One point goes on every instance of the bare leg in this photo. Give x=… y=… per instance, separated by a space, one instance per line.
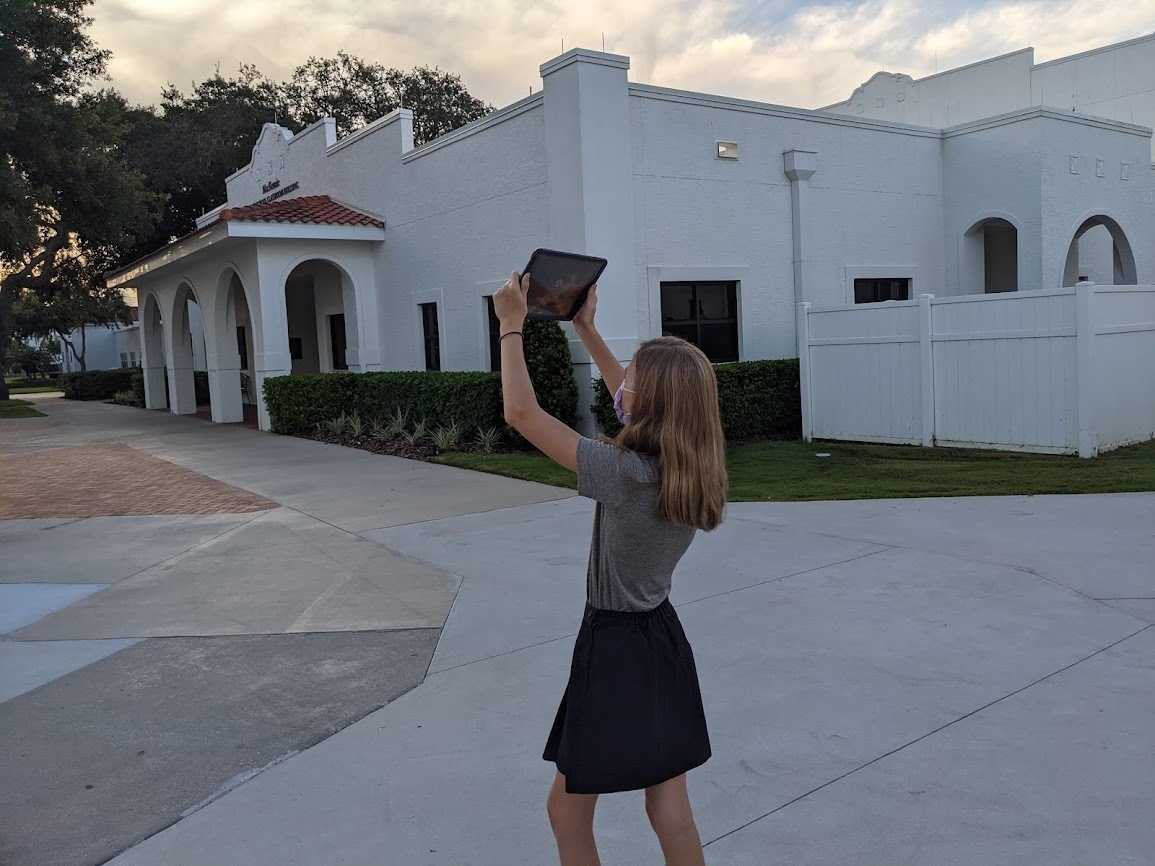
x=668 y=807
x=572 y=819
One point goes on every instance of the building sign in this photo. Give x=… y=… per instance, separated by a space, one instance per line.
x=293 y=187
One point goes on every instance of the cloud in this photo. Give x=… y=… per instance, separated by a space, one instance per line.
x=782 y=51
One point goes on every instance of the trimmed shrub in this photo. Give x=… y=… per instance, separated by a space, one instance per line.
x=137 y=387
x=757 y=398
x=96 y=384
x=472 y=401
x=441 y=398
x=551 y=370
x=297 y=404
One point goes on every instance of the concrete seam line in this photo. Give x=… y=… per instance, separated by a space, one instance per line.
x=235 y=782
x=945 y=555
x=256 y=516
x=928 y=734
x=882 y=549
x=679 y=606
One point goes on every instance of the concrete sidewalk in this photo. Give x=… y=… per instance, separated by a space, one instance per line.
x=887 y=683
x=917 y=682
x=191 y=605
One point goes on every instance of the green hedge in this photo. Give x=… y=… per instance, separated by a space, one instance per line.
x=757 y=398
x=137 y=386
x=297 y=404
x=551 y=370
x=96 y=384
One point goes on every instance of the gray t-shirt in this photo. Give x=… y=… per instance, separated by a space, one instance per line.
x=633 y=554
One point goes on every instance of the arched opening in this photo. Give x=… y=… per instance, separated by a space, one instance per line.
x=321 y=317
x=231 y=354
x=241 y=324
x=990 y=257
x=188 y=369
x=153 y=362
x=1100 y=252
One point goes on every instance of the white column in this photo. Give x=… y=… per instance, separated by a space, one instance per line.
x=803 y=330
x=364 y=352
x=152 y=362
x=926 y=367
x=1085 y=368
x=178 y=347
x=800 y=166
x=225 y=387
x=591 y=206
x=271 y=349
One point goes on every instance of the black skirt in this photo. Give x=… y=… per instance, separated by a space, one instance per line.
x=631 y=715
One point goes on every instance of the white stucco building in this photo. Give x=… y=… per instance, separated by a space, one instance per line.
x=718 y=216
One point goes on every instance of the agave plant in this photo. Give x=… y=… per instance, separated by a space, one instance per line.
x=416 y=433
x=337 y=425
x=398 y=422
x=446 y=437
x=487 y=439
x=356 y=425
x=380 y=430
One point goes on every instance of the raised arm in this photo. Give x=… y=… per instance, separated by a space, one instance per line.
x=603 y=357
x=522 y=412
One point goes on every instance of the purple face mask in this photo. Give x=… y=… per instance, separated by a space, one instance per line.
x=623 y=415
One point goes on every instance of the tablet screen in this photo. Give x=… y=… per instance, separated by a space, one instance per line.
x=559 y=283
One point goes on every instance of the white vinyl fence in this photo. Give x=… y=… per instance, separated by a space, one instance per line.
x=1063 y=371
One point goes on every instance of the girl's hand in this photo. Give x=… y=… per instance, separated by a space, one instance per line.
x=585 y=316
x=510 y=304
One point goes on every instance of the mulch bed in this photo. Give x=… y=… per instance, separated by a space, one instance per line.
x=423 y=449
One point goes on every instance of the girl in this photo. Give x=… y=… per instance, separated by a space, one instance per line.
x=631 y=717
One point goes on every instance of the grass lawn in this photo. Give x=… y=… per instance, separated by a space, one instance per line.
x=20 y=385
x=790 y=471
x=34 y=389
x=18 y=409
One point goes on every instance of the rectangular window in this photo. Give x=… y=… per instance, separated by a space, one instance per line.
x=337 y=339
x=494 y=337
x=296 y=348
x=873 y=291
x=432 y=333
x=243 y=347
x=705 y=314
x=123 y=359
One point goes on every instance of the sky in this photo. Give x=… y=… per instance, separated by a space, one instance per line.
x=788 y=52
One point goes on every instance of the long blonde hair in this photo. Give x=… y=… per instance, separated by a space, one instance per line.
x=676 y=420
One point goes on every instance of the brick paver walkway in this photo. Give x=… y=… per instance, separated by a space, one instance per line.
x=22 y=425
x=111 y=481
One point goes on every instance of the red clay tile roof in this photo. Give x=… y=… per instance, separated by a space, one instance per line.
x=313 y=209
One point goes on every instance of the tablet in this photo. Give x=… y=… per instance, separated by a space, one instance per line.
x=560 y=282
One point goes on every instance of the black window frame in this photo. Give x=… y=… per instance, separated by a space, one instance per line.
x=338 y=347
x=697 y=321
x=494 y=337
x=431 y=335
x=243 y=347
x=872 y=289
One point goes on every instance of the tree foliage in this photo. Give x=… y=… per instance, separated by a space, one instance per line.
x=79 y=299
x=355 y=92
x=87 y=179
x=64 y=183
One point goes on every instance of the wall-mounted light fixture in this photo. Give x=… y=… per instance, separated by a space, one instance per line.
x=726 y=149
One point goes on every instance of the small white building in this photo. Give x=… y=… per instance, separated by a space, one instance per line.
x=105 y=347
x=718 y=216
